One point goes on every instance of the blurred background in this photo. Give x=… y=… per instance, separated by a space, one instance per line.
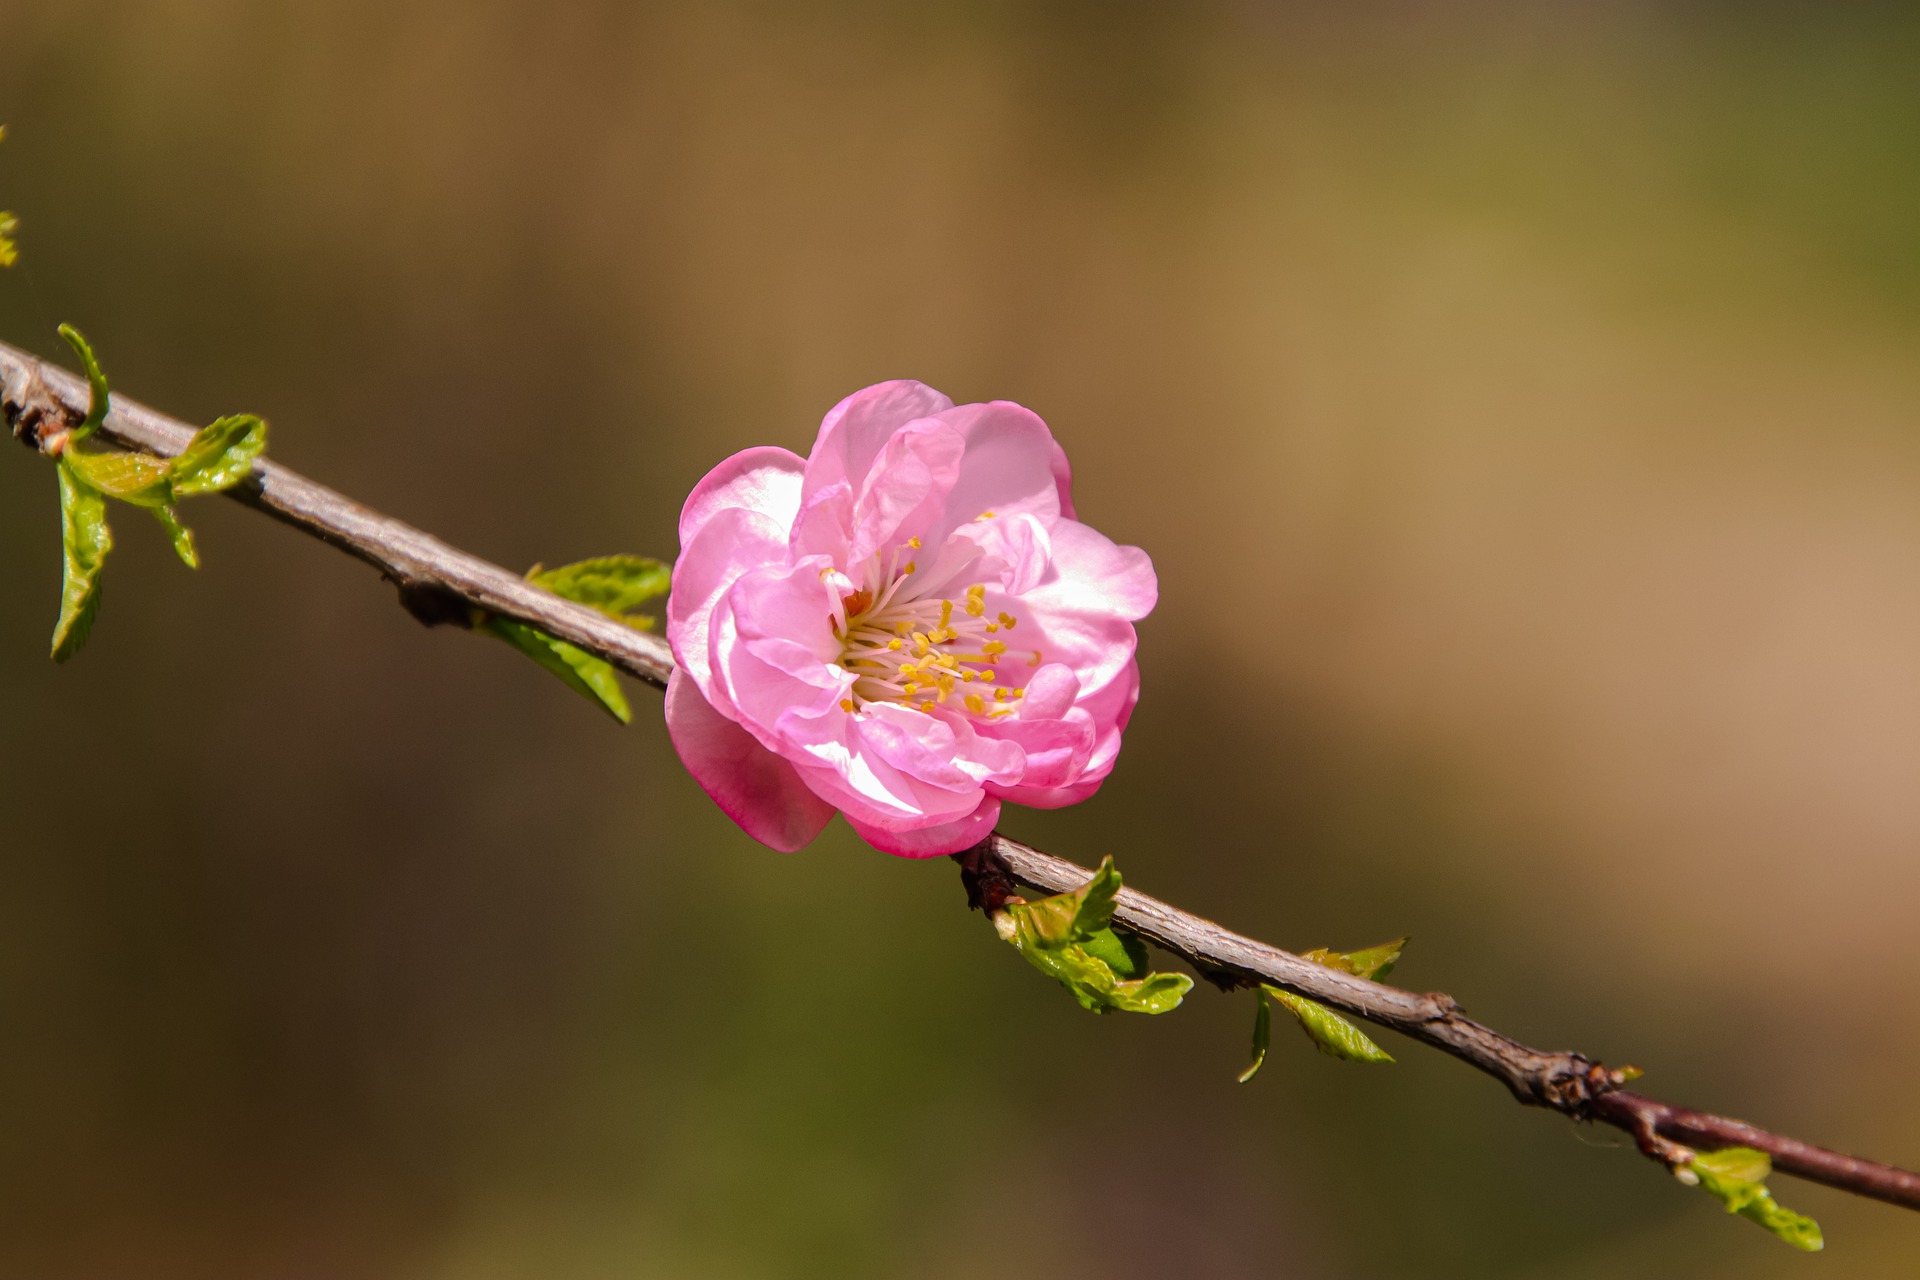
x=1520 y=404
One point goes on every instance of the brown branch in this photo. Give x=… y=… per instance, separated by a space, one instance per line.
x=440 y=584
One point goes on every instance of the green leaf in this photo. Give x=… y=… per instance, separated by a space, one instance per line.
x=219 y=456
x=179 y=534
x=84 y=541
x=1330 y=1033
x=1737 y=1178
x=615 y=585
x=579 y=670
x=1262 y=1033
x=98 y=397
x=9 y=251
x=1125 y=954
x=1069 y=938
x=1374 y=963
x=139 y=479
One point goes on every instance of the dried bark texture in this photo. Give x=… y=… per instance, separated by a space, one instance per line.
x=440 y=584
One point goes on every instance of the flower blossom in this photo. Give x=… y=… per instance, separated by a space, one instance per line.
x=909 y=626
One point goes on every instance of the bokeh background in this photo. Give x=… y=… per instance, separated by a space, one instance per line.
x=1520 y=403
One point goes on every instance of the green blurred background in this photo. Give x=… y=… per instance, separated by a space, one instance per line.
x=1519 y=403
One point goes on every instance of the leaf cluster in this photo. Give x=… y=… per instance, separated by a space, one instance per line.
x=1070 y=938
x=218 y=458
x=1330 y=1033
x=614 y=585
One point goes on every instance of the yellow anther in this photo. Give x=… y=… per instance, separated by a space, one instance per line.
x=1018 y=693
x=984 y=515
x=914 y=543
x=994 y=648
x=976 y=704
x=944 y=683
x=992 y=627
x=926 y=706
x=977 y=591
x=999 y=695
x=920 y=645
x=967 y=677
x=894 y=645
x=910 y=688
x=1036 y=659
x=946 y=613
x=975 y=608
x=911 y=566
x=846 y=704
x=986 y=677
x=1007 y=620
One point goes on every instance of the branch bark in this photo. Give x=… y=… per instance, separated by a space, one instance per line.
x=441 y=584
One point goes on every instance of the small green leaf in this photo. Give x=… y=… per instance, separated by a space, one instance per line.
x=1330 y=1033
x=219 y=456
x=179 y=534
x=139 y=479
x=579 y=670
x=615 y=585
x=1262 y=1033
x=1125 y=954
x=1737 y=1178
x=84 y=541
x=98 y=397
x=9 y=251
x=1068 y=937
x=1374 y=963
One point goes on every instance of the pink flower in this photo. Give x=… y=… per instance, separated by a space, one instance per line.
x=909 y=626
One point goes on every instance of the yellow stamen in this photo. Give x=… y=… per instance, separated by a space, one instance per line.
x=914 y=543
x=999 y=695
x=894 y=645
x=1007 y=620
x=976 y=704
x=910 y=688
x=927 y=707
x=946 y=614
x=986 y=677
x=911 y=566
x=992 y=627
x=846 y=704
x=994 y=648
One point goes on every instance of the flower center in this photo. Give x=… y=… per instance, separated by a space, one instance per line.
x=907 y=645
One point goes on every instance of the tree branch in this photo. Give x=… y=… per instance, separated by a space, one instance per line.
x=440 y=584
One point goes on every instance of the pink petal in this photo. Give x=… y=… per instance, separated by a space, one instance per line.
x=824 y=526
x=756 y=693
x=854 y=431
x=906 y=488
x=933 y=842
x=1010 y=465
x=1094 y=574
x=1063 y=480
x=764 y=479
x=731 y=542
x=753 y=786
